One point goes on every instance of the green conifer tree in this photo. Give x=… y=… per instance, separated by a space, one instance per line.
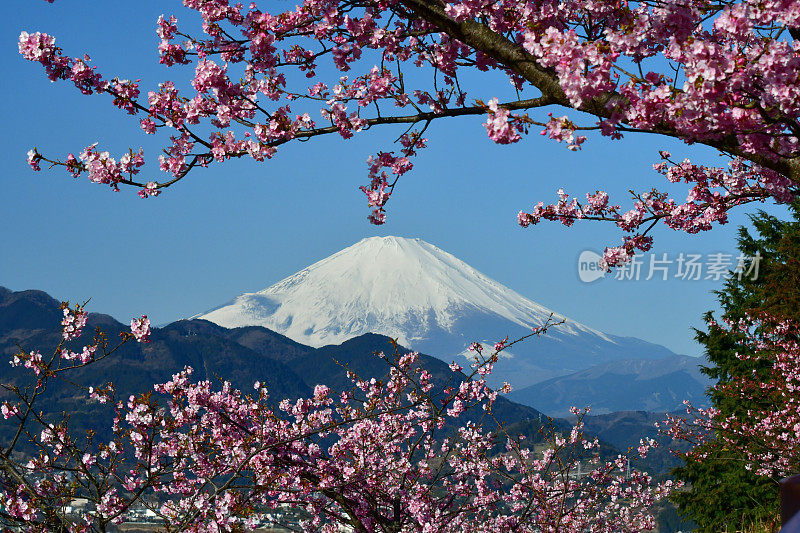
x=721 y=493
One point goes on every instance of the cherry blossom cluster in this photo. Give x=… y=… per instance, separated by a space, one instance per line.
x=382 y=464
x=73 y=322
x=379 y=189
x=563 y=129
x=404 y=452
x=766 y=436
x=722 y=74
x=32 y=360
x=84 y=356
x=39 y=480
x=714 y=191
x=140 y=328
x=502 y=126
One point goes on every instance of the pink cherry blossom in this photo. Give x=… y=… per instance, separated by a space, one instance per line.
x=766 y=437
x=375 y=453
x=380 y=64
x=73 y=322
x=140 y=329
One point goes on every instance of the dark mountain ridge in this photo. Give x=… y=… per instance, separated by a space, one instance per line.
x=30 y=320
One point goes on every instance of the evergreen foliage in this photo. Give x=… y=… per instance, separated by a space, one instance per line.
x=721 y=493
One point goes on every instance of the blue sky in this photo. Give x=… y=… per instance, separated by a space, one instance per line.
x=243 y=226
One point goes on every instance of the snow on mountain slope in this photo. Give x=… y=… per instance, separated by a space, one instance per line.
x=430 y=301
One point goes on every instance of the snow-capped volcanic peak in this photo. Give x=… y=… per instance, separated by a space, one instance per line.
x=404 y=288
x=431 y=302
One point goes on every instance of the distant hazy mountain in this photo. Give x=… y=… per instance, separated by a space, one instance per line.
x=430 y=301
x=627 y=385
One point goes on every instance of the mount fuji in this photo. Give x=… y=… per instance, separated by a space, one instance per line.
x=429 y=301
